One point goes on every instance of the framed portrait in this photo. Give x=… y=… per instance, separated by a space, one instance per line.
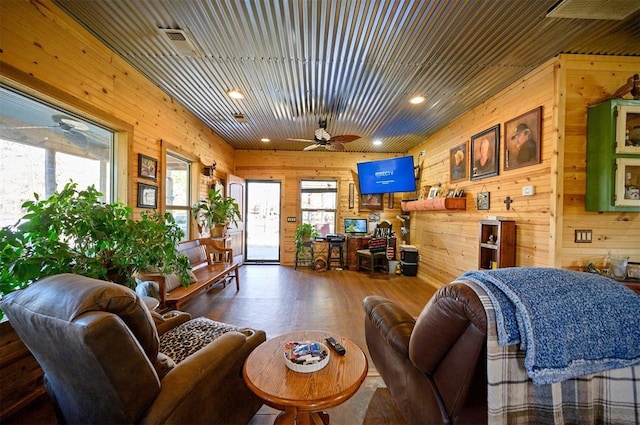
x=147 y=196
x=458 y=163
x=371 y=202
x=485 y=154
x=433 y=192
x=522 y=136
x=147 y=167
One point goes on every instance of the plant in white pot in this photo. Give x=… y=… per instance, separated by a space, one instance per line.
x=214 y=213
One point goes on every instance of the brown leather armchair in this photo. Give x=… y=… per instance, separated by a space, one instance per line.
x=435 y=366
x=98 y=346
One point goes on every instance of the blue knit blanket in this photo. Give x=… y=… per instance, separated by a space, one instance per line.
x=568 y=323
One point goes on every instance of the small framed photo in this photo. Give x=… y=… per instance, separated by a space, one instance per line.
x=458 y=163
x=451 y=193
x=485 y=154
x=147 y=196
x=483 y=201
x=147 y=167
x=371 y=202
x=433 y=192
x=522 y=140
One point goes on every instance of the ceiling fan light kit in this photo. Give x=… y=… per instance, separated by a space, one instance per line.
x=322 y=138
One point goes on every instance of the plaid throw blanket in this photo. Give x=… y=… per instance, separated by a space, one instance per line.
x=610 y=397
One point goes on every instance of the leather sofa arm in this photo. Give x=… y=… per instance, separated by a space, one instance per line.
x=169 y=320
x=392 y=321
x=205 y=373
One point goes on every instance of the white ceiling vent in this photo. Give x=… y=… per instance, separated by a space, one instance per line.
x=180 y=42
x=241 y=118
x=594 y=9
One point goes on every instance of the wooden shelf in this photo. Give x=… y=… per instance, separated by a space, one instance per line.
x=437 y=204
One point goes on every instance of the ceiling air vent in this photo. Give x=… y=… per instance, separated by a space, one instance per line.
x=241 y=118
x=594 y=9
x=180 y=42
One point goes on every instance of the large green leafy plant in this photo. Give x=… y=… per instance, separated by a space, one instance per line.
x=216 y=209
x=72 y=231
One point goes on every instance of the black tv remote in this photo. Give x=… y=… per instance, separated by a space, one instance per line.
x=336 y=345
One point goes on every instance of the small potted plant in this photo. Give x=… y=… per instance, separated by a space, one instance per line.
x=73 y=231
x=305 y=232
x=214 y=213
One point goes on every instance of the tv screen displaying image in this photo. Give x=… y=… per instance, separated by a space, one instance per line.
x=355 y=225
x=387 y=176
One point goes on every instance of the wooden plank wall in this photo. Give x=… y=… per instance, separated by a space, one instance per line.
x=588 y=80
x=46 y=52
x=291 y=167
x=448 y=240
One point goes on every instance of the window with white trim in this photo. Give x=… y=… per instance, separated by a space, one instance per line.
x=43 y=147
x=178 y=188
x=318 y=204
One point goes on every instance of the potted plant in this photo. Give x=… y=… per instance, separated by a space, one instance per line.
x=73 y=231
x=215 y=213
x=305 y=232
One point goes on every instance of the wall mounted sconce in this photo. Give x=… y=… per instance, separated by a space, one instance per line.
x=208 y=170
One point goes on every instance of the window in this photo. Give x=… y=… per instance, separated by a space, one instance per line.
x=178 y=188
x=318 y=201
x=43 y=147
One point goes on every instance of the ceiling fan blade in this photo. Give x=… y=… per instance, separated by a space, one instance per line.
x=302 y=140
x=311 y=147
x=335 y=146
x=345 y=138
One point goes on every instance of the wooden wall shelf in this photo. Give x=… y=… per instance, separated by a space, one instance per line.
x=437 y=204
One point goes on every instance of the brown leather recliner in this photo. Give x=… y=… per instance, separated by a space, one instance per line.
x=435 y=366
x=98 y=346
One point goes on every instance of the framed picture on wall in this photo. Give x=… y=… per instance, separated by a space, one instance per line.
x=147 y=196
x=485 y=154
x=522 y=140
x=458 y=163
x=147 y=167
x=371 y=202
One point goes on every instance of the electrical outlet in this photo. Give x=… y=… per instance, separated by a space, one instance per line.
x=291 y=219
x=528 y=190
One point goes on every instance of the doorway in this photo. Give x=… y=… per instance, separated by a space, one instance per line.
x=262 y=223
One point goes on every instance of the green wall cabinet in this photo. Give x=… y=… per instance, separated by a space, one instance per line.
x=613 y=156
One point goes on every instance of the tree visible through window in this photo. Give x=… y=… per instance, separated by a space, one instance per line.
x=42 y=148
x=318 y=201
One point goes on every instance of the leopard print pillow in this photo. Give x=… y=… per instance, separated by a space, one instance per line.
x=187 y=338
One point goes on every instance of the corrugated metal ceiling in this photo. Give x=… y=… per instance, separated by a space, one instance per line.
x=354 y=62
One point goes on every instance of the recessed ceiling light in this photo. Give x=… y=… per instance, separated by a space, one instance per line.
x=235 y=94
x=377 y=142
x=417 y=100
x=265 y=140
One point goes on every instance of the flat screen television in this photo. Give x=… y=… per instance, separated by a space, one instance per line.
x=355 y=225
x=387 y=176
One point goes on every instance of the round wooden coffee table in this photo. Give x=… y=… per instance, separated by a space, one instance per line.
x=303 y=396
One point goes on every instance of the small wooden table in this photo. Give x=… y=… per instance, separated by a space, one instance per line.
x=303 y=396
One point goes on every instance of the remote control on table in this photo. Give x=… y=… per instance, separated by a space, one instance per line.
x=336 y=345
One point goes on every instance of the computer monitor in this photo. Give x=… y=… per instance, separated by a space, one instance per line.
x=354 y=226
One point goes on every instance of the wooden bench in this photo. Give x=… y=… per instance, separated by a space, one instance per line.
x=210 y=264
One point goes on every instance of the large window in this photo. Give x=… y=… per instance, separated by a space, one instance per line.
x=42 y=148
x=318 y=201
x=178 y=189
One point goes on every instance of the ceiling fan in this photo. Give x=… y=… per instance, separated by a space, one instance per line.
x=321 y=137
x=72 y=128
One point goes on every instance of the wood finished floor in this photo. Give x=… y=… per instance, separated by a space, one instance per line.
x=280 y=299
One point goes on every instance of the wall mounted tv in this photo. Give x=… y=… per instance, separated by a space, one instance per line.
x=355 y=225
x=387 y=176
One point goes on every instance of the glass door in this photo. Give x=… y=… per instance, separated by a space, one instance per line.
x=262 y=223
